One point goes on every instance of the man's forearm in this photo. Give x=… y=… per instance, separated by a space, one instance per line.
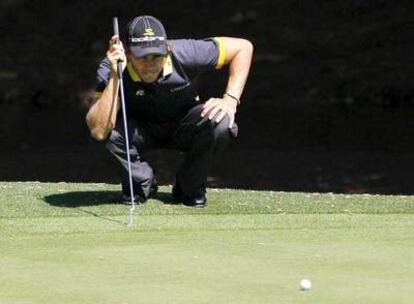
x=239 y=53
x=101 y=117
x=239 y=69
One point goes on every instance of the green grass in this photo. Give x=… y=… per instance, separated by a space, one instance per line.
x=69 y=243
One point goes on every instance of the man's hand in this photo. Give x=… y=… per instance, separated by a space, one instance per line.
x=217 y=108
x=115 y=54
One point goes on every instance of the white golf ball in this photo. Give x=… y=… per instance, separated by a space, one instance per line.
x=305 y=284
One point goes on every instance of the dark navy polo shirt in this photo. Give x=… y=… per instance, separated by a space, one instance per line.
x=175 y=91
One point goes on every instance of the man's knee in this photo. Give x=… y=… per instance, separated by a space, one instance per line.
x=222 y=131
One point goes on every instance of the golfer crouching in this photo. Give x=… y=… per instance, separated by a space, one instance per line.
x=163 y=107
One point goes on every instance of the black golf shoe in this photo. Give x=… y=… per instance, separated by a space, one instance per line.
x=194 y=201
x=126 y=199
x=140 y=199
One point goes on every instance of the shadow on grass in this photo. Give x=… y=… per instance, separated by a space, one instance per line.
x=81 y=199
x=96 y=198
x=166 y=198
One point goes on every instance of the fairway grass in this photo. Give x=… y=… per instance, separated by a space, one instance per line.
x=69 y=243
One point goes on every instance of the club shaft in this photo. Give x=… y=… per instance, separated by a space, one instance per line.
x=124 y=116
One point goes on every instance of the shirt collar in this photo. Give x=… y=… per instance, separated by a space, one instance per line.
x=134 y=75
x=168 y=67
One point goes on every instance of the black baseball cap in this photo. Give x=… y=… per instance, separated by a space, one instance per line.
x=146 y=36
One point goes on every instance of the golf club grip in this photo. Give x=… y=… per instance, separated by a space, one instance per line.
x=115 y=24
x=116 y=32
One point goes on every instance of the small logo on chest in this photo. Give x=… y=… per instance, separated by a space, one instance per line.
x=140 y=93
x=182 y=87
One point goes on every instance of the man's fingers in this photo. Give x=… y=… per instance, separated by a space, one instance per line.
x=231 y=123
x=216 y=110
x=116 y=52
x=211 y=103
x=220 y=116
x=119 y=55
x=115 y=57
x=114 y=40
x=117 y=48
x=213 y=112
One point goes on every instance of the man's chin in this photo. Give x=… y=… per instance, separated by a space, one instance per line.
x=149 y=79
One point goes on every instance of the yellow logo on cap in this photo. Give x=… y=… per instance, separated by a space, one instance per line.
x=148 y=32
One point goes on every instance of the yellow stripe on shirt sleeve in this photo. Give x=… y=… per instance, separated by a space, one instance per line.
x=222 y=53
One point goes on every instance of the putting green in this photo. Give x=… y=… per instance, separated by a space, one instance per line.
x=68 y=243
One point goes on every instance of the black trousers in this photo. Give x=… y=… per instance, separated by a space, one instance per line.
x=199 y=142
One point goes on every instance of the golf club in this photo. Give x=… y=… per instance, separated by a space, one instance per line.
x=124 y=116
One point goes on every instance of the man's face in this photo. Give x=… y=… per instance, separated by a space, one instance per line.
x=148 y=68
